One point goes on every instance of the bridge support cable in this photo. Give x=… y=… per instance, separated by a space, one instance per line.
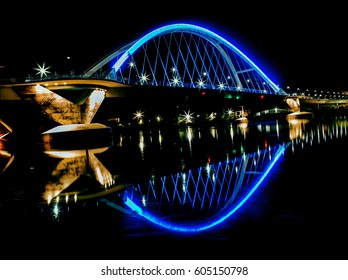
x=185 y=55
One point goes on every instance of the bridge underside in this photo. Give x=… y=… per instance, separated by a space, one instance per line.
x=73 y=101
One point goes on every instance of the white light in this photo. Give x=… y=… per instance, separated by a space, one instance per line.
x=144 y=78
x=175 y=81
x=131 y=64
x=200 y=83
x=42 y=70
x=138 y=115
x=221 y=86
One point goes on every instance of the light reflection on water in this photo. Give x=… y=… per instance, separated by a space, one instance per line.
x=185 y=175
x=195 y=200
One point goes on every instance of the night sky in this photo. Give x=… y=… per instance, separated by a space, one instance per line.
x=296 y=45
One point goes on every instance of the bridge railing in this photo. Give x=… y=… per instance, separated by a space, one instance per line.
x=31 y=79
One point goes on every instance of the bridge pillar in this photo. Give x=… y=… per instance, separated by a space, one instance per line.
x=62 y=110
x=293 y=103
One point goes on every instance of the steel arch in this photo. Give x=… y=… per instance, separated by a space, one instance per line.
x=182 y=55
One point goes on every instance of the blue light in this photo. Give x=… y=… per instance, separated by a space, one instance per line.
x=194 y=29
x=220 y=219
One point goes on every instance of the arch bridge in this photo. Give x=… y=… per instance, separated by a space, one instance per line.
x=182 y=56
x=177 y=56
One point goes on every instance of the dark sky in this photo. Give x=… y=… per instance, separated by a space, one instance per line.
x=296 y=45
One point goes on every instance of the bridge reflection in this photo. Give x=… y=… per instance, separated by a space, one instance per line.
x=6 y=156
x=193 y=198
x=304 y=132
x=199 y=199
x=72 y=165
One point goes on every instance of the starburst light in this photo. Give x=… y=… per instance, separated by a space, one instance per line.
x=144 y=78
x=42 y=70
x=200 y=83
x=175 y=81
x=186 y=117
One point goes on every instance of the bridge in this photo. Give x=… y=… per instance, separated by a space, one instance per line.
x=177 y=56
x=180 y=56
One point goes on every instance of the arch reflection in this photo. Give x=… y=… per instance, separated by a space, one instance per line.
x=202 y=198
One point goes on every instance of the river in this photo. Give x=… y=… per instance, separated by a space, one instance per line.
x=83 y=203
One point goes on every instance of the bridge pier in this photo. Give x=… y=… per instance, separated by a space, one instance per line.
x=70 y=101
x=64 y=111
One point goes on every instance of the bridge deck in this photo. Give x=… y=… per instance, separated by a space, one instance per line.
x=13 y=91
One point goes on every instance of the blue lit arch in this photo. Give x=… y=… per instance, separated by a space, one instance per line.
x=235 y=194
x=184 y=55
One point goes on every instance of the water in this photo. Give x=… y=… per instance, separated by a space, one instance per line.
x=297 y=212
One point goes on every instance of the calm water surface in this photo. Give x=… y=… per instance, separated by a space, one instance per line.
x=70 y=204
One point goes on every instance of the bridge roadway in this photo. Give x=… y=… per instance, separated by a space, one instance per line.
x=17 y=91
x=323 y=102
